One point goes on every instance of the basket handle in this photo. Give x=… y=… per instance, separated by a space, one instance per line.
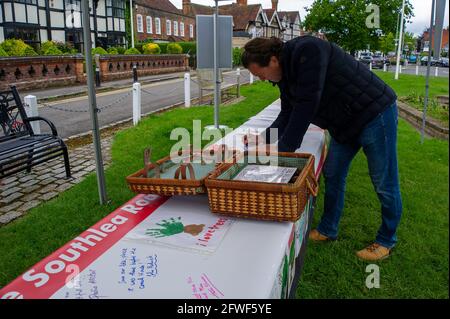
x=182 y=170
x=314 y=189
x=191 y=155
x=148 y=163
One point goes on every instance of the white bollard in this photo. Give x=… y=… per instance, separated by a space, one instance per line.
x=417 y=69
x=187 y=89
x=400 y=69
x=251 y=78
x=238 y=86
x=384 y=67
x=136 y=103
x=32 y=110
x=370 y=66
x=436 y=71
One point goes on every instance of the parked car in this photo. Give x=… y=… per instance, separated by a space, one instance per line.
x=424 y=61
x=378 y=62
x=365 y=58
x=443 y=62
x=412 y=58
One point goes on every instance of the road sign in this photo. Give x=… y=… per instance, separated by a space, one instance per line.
x=205 y=42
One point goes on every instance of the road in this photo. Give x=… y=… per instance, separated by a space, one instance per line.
x=411 y=69
x=72 y=117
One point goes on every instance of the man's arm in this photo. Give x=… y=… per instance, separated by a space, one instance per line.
x=309 y=64
x=281 y=121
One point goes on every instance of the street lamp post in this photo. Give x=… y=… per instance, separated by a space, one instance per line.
x=132 y=23
x=399 y=48
x=427 y=84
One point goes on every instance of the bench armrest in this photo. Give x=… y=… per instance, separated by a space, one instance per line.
x=38 y=118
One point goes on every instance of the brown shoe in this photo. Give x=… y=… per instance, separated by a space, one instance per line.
x=374 y=252
x=316 y=236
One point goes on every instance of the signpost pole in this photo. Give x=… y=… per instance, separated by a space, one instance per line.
x=216 y=68
x=93 y=103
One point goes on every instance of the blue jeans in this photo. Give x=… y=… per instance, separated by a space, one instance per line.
x=379 y=143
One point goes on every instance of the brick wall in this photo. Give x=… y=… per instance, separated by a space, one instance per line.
x=432 y=127
x=52 y=71
x=40 y=72
x=114 y=67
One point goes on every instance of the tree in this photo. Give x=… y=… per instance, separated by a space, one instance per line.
x=387 y=43
x=345 y=21
x=409 y=42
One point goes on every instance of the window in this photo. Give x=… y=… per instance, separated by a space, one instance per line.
x=140 y=27
x=191 y=31
x=168 y=27
x=149 y=25
x=182 y=29
x=75 y=37
x=26 y=1
x=29 y=35
x=73 y=13
x=175 y=28
x=115 y=39
x=158 y=25
x=115 y=8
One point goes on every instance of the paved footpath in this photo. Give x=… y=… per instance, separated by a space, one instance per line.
x=23 y=191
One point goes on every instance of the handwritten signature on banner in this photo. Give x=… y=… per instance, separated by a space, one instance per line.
x=84 y=288
x=134 y=271
x=205 y=289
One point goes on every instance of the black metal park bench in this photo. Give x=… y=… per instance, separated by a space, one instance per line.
x=20 y=147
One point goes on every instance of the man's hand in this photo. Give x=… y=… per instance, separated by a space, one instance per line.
x=254 y=142
x=254 y=139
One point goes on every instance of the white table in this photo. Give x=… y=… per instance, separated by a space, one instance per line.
x=127 y=255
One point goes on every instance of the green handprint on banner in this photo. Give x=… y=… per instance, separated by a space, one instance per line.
x=171 y=227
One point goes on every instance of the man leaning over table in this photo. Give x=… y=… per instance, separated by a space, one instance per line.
x=319 y=83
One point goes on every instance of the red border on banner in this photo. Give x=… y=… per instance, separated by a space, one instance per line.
x=321 y=161
x=49 y=275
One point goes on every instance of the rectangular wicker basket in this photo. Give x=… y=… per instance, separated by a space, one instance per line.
x=167 y=178
x=261 y=200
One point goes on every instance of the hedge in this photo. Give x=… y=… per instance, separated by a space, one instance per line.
x=14 y=47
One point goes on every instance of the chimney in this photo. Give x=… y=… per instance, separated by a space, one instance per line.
x=275 y=4
x=242 y=2
x=186 y=6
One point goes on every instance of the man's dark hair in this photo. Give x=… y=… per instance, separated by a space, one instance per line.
x=260 y=50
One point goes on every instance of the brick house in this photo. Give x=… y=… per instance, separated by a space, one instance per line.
x=249 y=21
x=291 y=22
x=424 y=39
x=252 y=20
x=274 y=27
x=161 y=21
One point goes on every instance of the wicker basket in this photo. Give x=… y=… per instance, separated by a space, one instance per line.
x=260 y=200
x=167 y=178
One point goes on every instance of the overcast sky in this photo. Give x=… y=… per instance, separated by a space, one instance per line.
x=422 y=9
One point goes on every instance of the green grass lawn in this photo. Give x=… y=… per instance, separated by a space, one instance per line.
x=417 y=269
x=411 y=90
